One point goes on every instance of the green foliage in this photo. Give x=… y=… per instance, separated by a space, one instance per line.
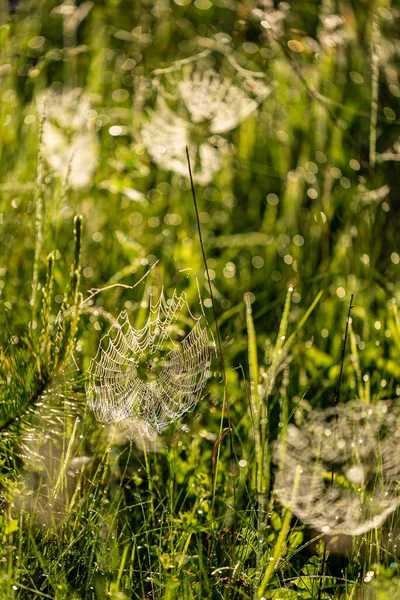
x=305 y=200
x=385 y=581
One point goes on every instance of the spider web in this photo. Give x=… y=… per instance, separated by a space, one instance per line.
x=214 y=105
x=356 y=443
x=142 y=379
x=209 y=97
x=69 y=143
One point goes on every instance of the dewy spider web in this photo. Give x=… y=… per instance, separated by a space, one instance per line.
x=359 y=445
x=142 y=379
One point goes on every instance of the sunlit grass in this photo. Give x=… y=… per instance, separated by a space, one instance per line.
x=300 y=195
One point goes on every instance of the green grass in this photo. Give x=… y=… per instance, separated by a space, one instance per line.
x=84 y=512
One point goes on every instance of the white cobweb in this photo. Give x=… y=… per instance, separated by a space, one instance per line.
x=209 y=97
x=166 y=136
x=209 y=107
x=144 y=379
x=69 y=141
x=359 y=445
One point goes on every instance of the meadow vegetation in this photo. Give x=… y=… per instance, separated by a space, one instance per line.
x=290 y=112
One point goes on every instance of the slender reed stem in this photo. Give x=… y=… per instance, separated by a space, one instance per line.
x=149 y=481
x=226 y=404
x=39 y=203
x=374 y=90
x=257 y=410
x=280 y=540
x=346 y=333
x=336 y=400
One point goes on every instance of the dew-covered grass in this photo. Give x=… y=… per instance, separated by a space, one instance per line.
x=290 y=112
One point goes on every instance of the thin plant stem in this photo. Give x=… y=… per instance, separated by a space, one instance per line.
x=256 y=410
x=39 y=203
x=65 y=463
x=336 y=400
x=272 y=564
x=226 y=404
x=149 y=481
x=374 y=90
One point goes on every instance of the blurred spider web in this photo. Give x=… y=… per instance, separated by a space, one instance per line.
x=209 y=106
x=340 y=472
x=145 y=379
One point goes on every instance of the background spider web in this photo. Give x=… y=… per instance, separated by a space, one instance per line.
x=358 y=444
